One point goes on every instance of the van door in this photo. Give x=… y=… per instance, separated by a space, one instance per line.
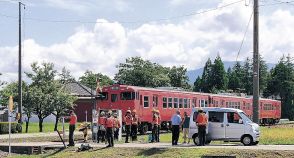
x=216 y=128
x=234 y=126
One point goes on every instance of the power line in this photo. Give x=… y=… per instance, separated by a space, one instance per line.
x=241 y=45
x=278 y=3
x=127 y=22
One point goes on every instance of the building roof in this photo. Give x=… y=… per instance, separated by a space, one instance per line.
x=77 y=89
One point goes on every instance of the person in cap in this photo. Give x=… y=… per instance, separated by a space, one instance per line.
x=109 y=124
x=101 y=125
x=159 y=124
x=176 y=122
x=201 y=122
x=72 y=127
x=116 y=126
x=128 y=120
x=154 y=126
x=134 y=127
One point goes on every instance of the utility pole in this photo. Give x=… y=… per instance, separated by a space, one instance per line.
x=19 y=65
x=255 y=64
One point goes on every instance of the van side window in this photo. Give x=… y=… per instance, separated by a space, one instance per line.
x=195 y=116
x=216 y=116
x=233 y=117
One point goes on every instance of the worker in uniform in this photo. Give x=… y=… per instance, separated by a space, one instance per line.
x=154 y=126
x=159 y=124
x=134 y=127
x=72 y=127
x=102 y=130
x=176 y=122
x=201 y=122
x=109 y=124
x=116 y=126
x=128 y=120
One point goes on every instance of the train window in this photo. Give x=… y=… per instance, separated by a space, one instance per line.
x=189 y=103
x=127 y=95
x=170 y=102
x=104 y=95
x=137 y=95
x=155 y=101
x=175 y=102
x=180 y=103
x=114 y=97
x=141 y=100
x=194 y=102
x=185 y=103
x=202 y=103
x=206 y=104
x=146 y=101
x=164 y=102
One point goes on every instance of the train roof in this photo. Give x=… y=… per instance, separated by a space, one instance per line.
x=176 y=90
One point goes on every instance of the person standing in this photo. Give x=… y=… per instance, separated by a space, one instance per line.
x=154 y=126
x=101 y=124
x=159 y=125
x=128 y=121
x=116 y=126
x=186 y=122
x=201 y=122
x=134 y=128
x=109 y=124
x=72 y=127
x=176 y=122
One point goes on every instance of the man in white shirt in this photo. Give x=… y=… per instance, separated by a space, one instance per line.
x=176 y=122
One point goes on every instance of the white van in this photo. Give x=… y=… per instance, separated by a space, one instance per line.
x=226 y=124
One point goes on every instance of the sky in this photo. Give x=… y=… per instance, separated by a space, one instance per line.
x=97 y=35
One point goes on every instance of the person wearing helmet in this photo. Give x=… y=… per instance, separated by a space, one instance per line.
x=134 y=127
x=201 y=122
x=116 y=126
x=128 y=120
x=102 y=130
x=109 y=124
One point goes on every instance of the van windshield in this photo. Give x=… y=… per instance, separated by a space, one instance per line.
x=245 y=117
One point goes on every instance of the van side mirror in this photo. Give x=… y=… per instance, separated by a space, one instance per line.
x=240 y=121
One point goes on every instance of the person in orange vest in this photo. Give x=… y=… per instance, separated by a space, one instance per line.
x=101 y=124
x=201 y=122
x=116 y=126
x=134 y=127
x=159 y=124
x=109 y=124
x=72 y=127
x=128 y=120
x=154 y=126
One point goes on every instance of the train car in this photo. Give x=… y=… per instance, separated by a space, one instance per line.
x=167 y=101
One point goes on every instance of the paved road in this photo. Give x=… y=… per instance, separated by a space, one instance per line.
x=32 y=135
x=163 y=145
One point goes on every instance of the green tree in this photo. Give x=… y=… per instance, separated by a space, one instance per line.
x=197 y=85
x=138 y=72
x=178 y=77
x=65 y=76
x=89 y=79
x=263 y=74
x=207 y=77
x=43 y=83
x=236 y=78
x=248 y=78
x=219 y=77
x=1 y=82
x=281 y=83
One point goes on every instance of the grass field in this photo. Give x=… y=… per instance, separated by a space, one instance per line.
x=47 y=127
x=159 y=153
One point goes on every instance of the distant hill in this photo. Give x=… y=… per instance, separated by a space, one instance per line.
x=193 y=74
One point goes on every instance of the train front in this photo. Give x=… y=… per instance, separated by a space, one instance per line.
x=117 y=97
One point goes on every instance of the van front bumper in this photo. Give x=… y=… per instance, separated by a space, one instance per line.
x=256 y=136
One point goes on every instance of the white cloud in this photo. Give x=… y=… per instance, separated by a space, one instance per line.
x=189 y=43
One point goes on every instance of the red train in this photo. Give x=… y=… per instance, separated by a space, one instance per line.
x=144 y=100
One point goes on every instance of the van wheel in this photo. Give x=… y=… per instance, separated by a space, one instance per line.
x=247 y=140
x=196 y=140
x=255 y=143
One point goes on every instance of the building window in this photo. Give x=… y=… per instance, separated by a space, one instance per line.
x=146 y=101
x=170 y=102
x=164 y=102
x=175 y=102
x=114 y=97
